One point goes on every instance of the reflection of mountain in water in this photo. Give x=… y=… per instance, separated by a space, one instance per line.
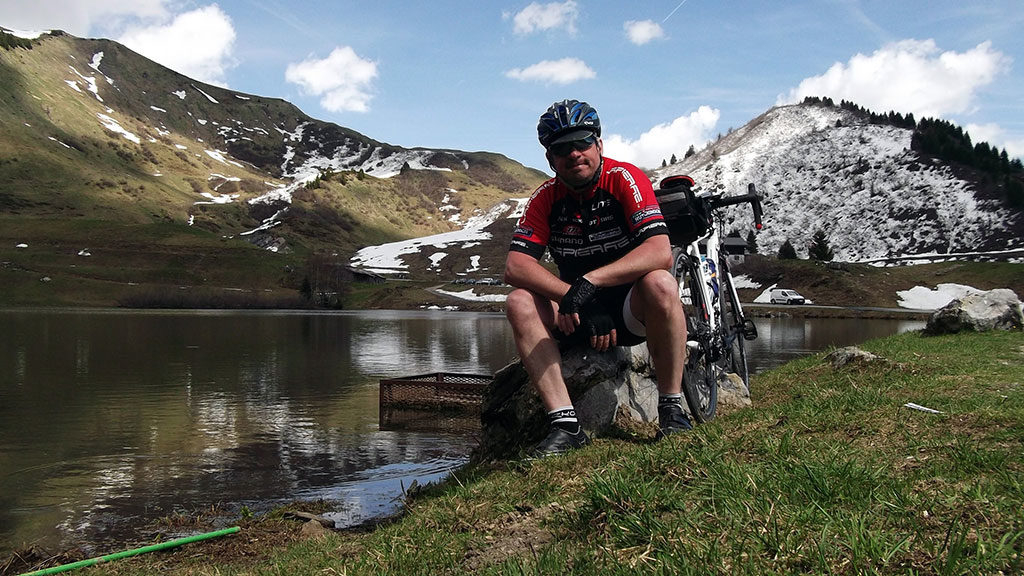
x=176 y=413
x=462 y=343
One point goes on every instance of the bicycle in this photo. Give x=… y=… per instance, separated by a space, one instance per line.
x=716 y=325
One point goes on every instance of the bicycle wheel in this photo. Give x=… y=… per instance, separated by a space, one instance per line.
x=734 y=355
x=700 y=374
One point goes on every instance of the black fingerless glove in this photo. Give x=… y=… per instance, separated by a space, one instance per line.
x=595 y=321
x=580 y=293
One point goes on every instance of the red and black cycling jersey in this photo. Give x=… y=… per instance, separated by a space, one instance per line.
x=618 y=214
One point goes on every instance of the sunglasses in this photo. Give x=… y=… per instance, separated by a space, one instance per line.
x=566 y=148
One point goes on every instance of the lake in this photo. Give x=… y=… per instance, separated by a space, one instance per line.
x=111 y=420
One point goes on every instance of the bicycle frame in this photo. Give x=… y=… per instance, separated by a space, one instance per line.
x=716 y=320
x=707 y=268
x=711 y=266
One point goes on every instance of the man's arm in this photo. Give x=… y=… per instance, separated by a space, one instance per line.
x=524 y=271
x=654 y=253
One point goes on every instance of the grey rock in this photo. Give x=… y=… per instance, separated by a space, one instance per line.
x=850 y=355
x=998 y=309
x=613 y=392
x=732 y=392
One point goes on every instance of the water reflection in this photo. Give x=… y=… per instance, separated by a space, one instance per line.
x=780 y=340
x=111 y=420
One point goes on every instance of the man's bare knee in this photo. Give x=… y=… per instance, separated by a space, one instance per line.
x=660 y=291
x=521 y=306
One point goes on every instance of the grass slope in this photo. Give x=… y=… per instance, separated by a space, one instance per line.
x=827 y=473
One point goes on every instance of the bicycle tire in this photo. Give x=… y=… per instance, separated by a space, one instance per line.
x=734 y=354
x=701 y=373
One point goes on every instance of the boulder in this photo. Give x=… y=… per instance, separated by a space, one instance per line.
x=732 y=393
x=848 y=355
x=998 y=309
x=614 y=393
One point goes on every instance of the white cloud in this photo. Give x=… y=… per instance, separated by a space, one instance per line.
x=909 y=76
x=539 y=17
x=996 y=136
x=662 y=141
x=78 y=18
x=342 y=80
x=564 y=71
x=643 y=31
x=198 y=44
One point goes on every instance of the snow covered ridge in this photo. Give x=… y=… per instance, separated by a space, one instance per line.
x=313 y=149
x=821 y=167
x=26 y=34
x=387 y=258
x=379 y=164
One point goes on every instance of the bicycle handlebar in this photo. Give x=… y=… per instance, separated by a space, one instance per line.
x=679 y=188
x=715 y=202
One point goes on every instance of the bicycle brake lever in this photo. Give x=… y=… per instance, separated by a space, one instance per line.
x=755 y=203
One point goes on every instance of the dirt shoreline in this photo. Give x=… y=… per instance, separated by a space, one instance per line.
x=752 y=309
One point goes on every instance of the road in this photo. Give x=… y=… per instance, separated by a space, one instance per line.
x=816 y=309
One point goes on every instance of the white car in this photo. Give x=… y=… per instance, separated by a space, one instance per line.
x=784 y=296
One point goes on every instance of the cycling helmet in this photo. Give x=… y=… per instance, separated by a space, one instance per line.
x=567 y=120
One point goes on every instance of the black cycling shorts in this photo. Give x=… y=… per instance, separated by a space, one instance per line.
x=614 y=300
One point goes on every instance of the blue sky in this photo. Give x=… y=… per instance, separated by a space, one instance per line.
x=663 y=75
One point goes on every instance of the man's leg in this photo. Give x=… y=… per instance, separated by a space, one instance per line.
x=530 y=316
x=655 y=303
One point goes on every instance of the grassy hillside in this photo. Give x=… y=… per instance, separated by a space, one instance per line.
x=155 y=173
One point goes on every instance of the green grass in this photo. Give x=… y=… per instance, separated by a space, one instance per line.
x=129 y=261
x=827 y=473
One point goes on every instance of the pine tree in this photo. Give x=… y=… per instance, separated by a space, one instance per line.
x=819 y=248
x=752 y=242
x=690 y=151
x=673 y=159
x=786 y=251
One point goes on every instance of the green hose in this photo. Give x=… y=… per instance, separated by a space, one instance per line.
x=135 y=552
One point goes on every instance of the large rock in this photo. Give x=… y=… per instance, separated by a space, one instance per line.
x=613 y=392
x=998 y=309
x=732 y=393
x=851 y=355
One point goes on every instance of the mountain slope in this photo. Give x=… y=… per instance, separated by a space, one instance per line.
x=829 y=168
x=818 y=167
x=119 y=172
x=94 y=132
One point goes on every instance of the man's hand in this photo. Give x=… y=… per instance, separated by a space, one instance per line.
x=599 y=325
x=580 y=293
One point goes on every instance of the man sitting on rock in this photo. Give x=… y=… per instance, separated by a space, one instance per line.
x=600 y=219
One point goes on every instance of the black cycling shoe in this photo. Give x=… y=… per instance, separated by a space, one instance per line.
x=672 y=419
x=559 y=441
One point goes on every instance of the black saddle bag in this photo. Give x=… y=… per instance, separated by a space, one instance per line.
x=687 y=216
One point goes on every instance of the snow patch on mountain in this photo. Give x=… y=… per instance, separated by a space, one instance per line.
x=112 y=125
x=924 y=298
x=387 y=258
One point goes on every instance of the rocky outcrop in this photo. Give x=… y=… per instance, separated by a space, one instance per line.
x=614 y=393
x=998 y=309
